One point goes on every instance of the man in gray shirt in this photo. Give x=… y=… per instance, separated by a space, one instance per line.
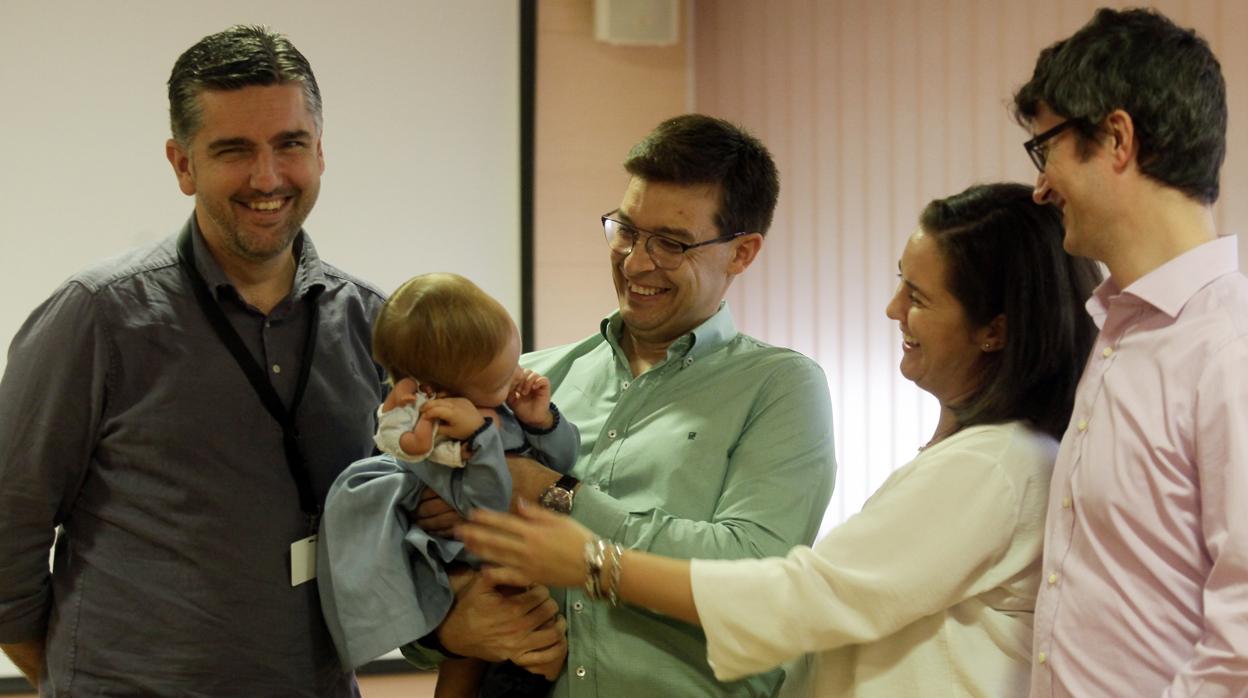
x=180 y=412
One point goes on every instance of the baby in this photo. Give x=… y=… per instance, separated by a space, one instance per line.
x=459 y=405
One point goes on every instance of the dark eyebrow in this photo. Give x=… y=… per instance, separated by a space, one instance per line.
x=224 y=143
x=910 y=284
x=299 y=135
x=294 y=135
x=675 y=233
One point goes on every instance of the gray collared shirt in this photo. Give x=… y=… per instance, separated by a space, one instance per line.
x=124 y=419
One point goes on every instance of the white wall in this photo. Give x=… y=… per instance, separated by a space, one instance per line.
x=421 y=105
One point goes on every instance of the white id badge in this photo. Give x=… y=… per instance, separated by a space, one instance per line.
x=303 y=560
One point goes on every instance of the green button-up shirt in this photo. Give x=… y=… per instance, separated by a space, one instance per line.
x=724 y=450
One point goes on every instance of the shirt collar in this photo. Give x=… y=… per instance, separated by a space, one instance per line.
x=1169 y=286
x=309 y=272
x=713 y=333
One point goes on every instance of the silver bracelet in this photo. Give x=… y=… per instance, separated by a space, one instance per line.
x=613 y=591
x=595 y=551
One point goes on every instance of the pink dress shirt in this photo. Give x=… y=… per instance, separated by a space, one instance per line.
x=1145 y=580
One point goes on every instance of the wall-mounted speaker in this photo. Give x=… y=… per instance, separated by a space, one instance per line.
x=637 y=22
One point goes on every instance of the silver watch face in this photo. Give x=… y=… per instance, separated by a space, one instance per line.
x=557 y=499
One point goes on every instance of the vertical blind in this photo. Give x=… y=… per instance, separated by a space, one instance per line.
x=872 y=109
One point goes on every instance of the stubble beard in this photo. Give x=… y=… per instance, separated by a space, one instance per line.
x=260 y=246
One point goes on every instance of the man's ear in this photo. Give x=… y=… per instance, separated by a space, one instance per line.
x=180 y=159
x=1122 y=144
x=745 y=249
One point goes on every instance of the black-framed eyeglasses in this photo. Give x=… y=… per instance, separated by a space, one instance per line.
x=666 y=252
x=1037 y=151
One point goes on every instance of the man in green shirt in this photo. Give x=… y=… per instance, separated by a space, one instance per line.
x=696 y=441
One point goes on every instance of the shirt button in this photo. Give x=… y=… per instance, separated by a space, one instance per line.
x=688 y=360
x=1107 y=352
x=1065 y=502
x=1040 y=658
x=625 y=385
x=1052 y=579
x=268 y=323
x=578 y=606
x=277 y=368
x=611 y=434
x=1083 y=425
x=580 y=672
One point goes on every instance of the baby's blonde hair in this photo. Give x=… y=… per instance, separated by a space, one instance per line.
x=439 y=329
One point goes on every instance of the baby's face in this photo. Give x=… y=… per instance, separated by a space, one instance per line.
x=490 y=387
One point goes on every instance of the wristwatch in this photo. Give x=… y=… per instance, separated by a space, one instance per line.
x=558 y=497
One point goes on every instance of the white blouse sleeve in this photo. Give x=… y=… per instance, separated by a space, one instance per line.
x=929 y=538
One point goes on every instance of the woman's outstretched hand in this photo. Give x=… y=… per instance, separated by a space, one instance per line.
x=546 y=547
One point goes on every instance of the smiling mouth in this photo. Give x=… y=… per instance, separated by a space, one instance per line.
x=645 y=290
x=265 y=205
x=909 y=342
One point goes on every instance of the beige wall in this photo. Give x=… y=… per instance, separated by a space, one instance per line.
x=594 y=101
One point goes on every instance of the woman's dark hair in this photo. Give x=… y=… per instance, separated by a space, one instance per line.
x=1004 y=256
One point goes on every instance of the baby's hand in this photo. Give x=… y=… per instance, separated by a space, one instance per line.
x=530 y=401
x=403 y=393
x=460 y=418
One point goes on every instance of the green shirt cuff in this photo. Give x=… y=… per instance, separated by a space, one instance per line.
x=599 y=512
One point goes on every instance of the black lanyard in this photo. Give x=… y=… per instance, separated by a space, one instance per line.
x=257 y=377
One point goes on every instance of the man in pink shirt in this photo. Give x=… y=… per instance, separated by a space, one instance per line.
x=1145 y=585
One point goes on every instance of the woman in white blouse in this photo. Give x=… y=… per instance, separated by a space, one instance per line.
x=929 y=590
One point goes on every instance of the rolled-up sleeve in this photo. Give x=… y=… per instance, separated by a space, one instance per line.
x=52 y=398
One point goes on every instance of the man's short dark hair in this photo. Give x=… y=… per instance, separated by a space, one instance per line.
x=1003 y=255
x=1164 y=76
x=241 y=56
x=695 y=149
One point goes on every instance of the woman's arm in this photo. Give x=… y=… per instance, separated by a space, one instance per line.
x=550 y=549
x=658 y=583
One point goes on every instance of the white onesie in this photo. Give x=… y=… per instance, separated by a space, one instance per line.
x=400 y=420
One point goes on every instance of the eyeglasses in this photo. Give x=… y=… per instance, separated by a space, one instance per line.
x=664 y=251
x=1035 y=147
